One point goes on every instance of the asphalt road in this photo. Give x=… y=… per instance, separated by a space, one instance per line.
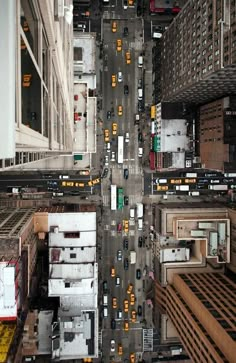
x=112 y=241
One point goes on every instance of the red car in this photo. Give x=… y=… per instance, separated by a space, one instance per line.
x=119 y=227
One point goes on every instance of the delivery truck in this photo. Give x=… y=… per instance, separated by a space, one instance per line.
x=132 y=257
x=139 y=210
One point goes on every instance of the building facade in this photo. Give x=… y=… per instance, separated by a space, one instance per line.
x=198 y=53
x=42 y=123
x=201 y=308
x=218 y=135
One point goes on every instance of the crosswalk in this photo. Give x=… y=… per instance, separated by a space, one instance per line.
x=106 y=201
x=147 y=340
x=133 y=169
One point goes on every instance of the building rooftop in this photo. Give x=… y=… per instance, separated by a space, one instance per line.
x=77 y=339
x=8 y=304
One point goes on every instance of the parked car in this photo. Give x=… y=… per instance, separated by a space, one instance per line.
x=108 y=115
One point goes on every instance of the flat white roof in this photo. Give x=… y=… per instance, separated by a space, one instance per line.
x=73 y=222
x=72 y=255
x=87 y=238
x=72 y=271
x=8 y=306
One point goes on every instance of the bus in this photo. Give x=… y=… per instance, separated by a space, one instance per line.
x=113 y=197
x=120 y=149
x=120 y=198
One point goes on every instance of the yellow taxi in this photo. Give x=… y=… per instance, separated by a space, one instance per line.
x=132 y=358
x=126 y=325
x=114 y=27
x=114 y=128
x=162 y=187
x=106 y=135
x=113 y=80
x=120 y=349
x=113 y=272
x=128 y=57
x=132 y=299
x=189 y=181
x=126 y=225
x=90 y=183
x=114 y=303
x=126 y=306
x=129 y=289
x=120 y=110
x=67 y=184
x=176 y=181
x=80 y=185
x=133 y=316
x=118 y=45
x=96 y=181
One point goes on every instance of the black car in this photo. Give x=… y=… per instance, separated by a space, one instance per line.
x=126 y=31
x=105 y=173
x=140 y=241
x=140 y=106
x=138 y=274
x=140 y=137
x=139 y=10
x=126 y=200
x=105 y=287
x=126 y=264
x=126 y=89
x=108 y=115
x=113 y=324
x=140 y=310
x=126 y=244
x=126 y=174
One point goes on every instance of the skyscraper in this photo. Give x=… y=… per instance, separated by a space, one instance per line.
x=198 y=53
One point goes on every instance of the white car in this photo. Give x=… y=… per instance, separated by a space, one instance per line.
x=64 y=177
x=119 y=255
x=106 y=160
x=120 y=77
x=126 y=137
x=113 y=156
x=108 y=147
x=113 y=345
x=117 y=281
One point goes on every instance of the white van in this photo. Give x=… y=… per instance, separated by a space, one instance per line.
x=120 y=77
x=105 y=300
x=105 y=312
x=131 y=213
x=140 y=94
x=140 y=224
x=140 y=61
x=140 y=152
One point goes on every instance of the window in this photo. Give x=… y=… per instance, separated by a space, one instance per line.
x=72 y=255
x=224 y=324
x=67 y=284
x=215 y=313
x=72 y=235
